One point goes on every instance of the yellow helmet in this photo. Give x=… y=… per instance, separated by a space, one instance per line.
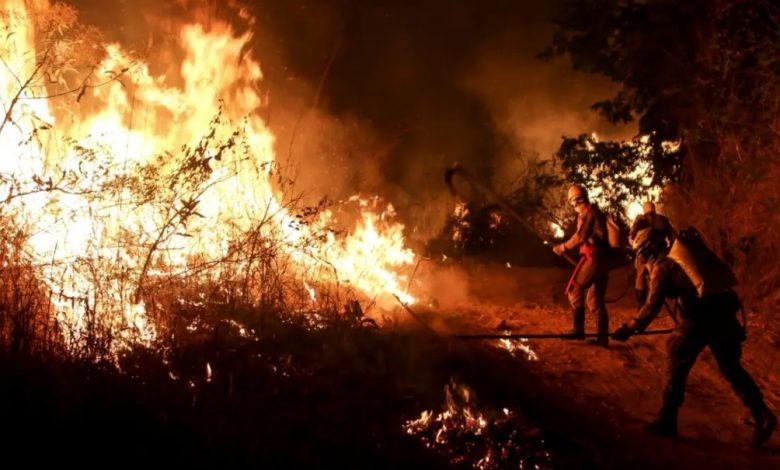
x=648 y=207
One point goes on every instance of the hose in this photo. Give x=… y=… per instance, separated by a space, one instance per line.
x=480 y=336
x=483 y=336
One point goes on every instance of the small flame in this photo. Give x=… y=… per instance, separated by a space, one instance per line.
x=311 y=291
x=557 y=230
x=517 y=346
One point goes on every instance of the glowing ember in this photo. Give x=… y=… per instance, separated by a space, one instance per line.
x=482 y=439
x=517 y=347
x=461 y=224
x=128 y=179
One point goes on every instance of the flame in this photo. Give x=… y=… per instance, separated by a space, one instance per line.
x=642 y=171
x=482 y=438
x=310 y=290
x=517 y=346
x=102 y=231
x=557 y=230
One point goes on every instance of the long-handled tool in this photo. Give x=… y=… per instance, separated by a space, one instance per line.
x=456 y=169
x=479 y=336
x=485 y=336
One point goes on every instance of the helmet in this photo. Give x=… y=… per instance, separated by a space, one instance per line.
x=576 y=193
x=648 y=207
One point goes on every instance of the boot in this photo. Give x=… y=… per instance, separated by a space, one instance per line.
x=766 y=422
x=665 y=425
x=603 y=329
x=578 y=320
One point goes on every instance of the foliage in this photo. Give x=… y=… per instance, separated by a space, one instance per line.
x=706 y=74
x=486 y=225
x=618 y=173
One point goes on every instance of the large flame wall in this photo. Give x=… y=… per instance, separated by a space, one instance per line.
x=131 y=178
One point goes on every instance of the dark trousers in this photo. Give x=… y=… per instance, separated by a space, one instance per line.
x=723 y=334
x=588 y=289
x=640 y=283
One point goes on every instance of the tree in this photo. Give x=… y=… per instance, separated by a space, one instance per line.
x=705 y=74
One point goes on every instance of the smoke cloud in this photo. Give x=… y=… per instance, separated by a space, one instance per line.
x=380 y=97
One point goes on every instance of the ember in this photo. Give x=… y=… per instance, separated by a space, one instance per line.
x=479 y=438
x=517 y=347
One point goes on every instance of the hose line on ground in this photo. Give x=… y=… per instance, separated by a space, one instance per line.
x=484 y=336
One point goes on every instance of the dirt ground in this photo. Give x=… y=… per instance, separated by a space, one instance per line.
x=608 y=394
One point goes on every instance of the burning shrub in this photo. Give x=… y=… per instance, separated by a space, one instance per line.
x=512 y=227
x=127 y=217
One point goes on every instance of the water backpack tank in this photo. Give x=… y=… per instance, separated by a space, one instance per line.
x=708 y=273
x=616 y=235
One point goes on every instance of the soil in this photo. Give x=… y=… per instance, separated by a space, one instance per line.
x=341 y=396
x=604 y=396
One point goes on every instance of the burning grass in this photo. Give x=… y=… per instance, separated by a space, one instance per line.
x=238 y=386
x=479 y=438
x=163 y=289
x=118 y=220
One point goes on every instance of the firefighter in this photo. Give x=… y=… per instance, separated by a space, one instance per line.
x=662 y=229
x=588 y=284
x=707 y=321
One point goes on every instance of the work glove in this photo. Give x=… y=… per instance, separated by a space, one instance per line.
x=623 y=333
x=559 y=249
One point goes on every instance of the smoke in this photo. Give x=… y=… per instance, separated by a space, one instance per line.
x=380 y=97
x=533 y=104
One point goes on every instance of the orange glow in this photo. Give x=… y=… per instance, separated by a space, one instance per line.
x=108 y=234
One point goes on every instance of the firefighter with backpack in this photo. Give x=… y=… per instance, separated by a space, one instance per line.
x=588 y=284
x=703 y=286
x=662 y=229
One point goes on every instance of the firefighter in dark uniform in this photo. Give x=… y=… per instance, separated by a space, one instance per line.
x=662 y=229
x=708 y=321
x=588 y=285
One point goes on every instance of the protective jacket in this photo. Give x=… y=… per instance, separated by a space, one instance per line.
x=591 y=235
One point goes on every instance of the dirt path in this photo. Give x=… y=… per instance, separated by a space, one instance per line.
x=612 y=392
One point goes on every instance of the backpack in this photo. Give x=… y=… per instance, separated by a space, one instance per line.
x=708 y=273
x=617 y=237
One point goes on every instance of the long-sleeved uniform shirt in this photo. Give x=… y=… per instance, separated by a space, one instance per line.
x=660 y=224
x=591 y=230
